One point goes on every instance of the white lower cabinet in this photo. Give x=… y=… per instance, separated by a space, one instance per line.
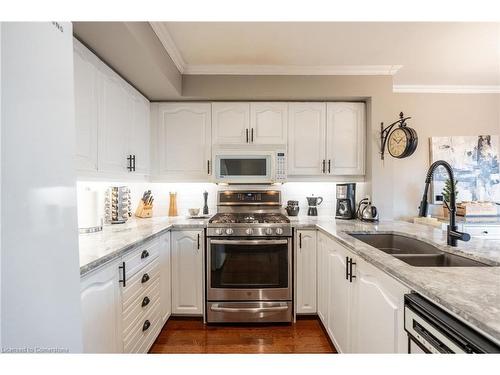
x=126 y=317
x=187 y=272
x=378 y=307
x=362 y=313
x=165 y=278
x=306 y=271
x=101 y=311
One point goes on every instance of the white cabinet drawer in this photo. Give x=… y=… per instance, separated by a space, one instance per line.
x=140 y=307
x=140 y=257
x=483 y=231
x=142 y=329
x=140 y=282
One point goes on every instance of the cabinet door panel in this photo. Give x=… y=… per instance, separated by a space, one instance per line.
x=139 y=136
x=322 y=269
x=230 y=123
x=187 y=271
x=101 y=311
x=184 y=140
x=86 y=107
x=165 y=278
x=306 y=272
x=346 y=138
x=306 y=138
x=339 y=299
x=114 y=124
x=379 y=328
x=268 y=123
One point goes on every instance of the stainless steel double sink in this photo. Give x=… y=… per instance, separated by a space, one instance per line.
x=415 y=252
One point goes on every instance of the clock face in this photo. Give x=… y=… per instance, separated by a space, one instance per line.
x=398 y=143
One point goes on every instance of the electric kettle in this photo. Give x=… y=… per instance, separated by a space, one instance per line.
x=367 y=212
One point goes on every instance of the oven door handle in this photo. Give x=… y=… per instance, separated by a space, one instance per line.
x=216 y=307
x=249 y=242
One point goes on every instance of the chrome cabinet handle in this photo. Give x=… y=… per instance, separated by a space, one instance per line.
x=347 y=268
x=208 y=166
x=145 y=278
x=145 y=301
x=251 y=138
x=146 y=325
x=216 y=307
x=324 y=166
x=246 y=130
x=329 y=165
x=198 y=241
x=300 y=240
x=144 y=254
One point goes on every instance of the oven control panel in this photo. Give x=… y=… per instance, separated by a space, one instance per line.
x=246 y=231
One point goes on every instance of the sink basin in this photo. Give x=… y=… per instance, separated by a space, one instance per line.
x=415 y=252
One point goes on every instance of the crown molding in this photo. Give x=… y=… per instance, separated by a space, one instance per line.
x=447 y=89
x=165 y=38
x=292 y=69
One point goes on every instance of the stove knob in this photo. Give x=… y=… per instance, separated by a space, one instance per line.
x=269 y=231
x=279 y=231
x=249 y=231
x=229 y=231
x=218 y=231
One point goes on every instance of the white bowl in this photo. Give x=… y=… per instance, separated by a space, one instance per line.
x=194 y=211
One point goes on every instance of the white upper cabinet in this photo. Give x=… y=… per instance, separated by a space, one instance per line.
x=86 y=107
x=345 y=132
x=139 y=144
x=112 y=120
x=231 y=123
x=268 y=123
x=187 y=272
x=306 y=138
x=306 y=271
x=114 y=124
x=183 y=142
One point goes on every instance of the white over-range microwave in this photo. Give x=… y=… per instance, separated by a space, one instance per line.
x=250 y=166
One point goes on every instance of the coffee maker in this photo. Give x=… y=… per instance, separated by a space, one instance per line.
x=346 y=201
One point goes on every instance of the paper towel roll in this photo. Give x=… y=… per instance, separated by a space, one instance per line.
x=88 y=210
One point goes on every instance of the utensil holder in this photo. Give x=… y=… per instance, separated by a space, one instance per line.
x=144 y=210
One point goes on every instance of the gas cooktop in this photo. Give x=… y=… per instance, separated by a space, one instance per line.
x=249 y=218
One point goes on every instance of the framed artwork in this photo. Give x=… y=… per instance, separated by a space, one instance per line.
x=475 y=163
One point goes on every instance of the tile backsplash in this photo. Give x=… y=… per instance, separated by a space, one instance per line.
x=190 y=195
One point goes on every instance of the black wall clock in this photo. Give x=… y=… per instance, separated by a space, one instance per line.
x=401 y=142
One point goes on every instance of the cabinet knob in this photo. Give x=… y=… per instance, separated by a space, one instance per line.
x=145 y=278
x=144 y=254
x=146 y=325
x=145 y=301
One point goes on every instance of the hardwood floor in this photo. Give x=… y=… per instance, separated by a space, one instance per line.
x=185 y=335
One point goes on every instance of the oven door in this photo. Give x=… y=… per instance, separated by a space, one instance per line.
x=244 y=168
x=249 y=269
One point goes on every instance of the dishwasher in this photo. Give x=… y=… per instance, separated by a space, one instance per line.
x=430 y=329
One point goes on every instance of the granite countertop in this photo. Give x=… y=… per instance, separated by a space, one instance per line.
x=473 y=220
x=469 y=292
x=97 y=249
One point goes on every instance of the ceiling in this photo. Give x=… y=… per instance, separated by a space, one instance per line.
x=417 y=54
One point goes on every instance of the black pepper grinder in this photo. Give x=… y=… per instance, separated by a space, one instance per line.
x=205 y=207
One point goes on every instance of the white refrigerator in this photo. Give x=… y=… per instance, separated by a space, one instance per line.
x=40 y=288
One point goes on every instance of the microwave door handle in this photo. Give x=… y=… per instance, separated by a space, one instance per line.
x=249 y=242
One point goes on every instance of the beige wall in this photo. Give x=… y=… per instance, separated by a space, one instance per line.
x=436 y=115
x=396 y=185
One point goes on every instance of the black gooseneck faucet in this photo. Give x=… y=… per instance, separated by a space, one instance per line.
x=452 y=234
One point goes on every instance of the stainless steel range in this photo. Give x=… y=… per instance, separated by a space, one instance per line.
x=249 y=259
